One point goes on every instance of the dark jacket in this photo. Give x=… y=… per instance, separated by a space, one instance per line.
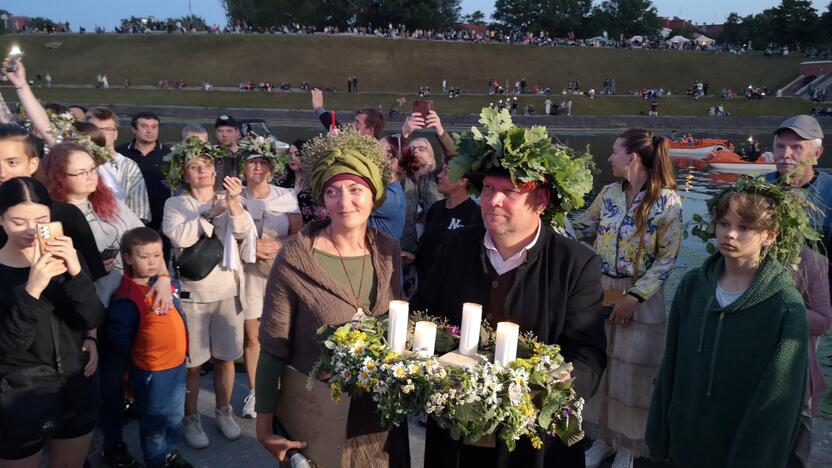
x=25 y=331
x=731 y=386
x=556 y=294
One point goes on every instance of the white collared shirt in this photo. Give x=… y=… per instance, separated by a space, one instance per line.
x=502 y=266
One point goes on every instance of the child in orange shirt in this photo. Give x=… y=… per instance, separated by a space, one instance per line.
x=156 y=342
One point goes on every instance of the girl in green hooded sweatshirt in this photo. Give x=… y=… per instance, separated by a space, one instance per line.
x=731 y=386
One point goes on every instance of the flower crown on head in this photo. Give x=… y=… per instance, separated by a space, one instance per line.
x=346 y=137
x=531 y=159
x=794 y=212
x=266 y=148
x=62 y=128
x=182 y=154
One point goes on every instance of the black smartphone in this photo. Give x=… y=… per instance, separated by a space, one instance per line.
x=109 y=254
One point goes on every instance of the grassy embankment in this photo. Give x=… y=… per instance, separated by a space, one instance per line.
x=387 y=69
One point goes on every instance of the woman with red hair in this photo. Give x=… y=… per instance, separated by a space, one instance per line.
x=71 y=176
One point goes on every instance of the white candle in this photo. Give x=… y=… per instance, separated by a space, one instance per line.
x=397 y=331
x=505 y=349
x=424 y=338
x=469 y=334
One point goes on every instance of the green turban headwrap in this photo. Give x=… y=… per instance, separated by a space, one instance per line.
x=348 y=161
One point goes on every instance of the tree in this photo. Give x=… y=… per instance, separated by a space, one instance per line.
x=556 y=17
x=421 y=14
x=477 y=17
x=795 y=22
x=825 y=21
x=732 y=30
x=627 y=18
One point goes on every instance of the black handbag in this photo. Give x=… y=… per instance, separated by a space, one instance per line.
x=197 y=261
x=31 y=399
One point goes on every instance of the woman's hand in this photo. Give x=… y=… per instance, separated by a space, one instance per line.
x=18 y=76
x=276 y=445
x=162 y=295
x=218 y=208
x=414 y=121
x=44 y=268
x=109 y=264
x=408 y=258
x=267 y=248
x=90 y=346
x=623 y=309
x=433 y=121
x=233 y=186
x=61 y=247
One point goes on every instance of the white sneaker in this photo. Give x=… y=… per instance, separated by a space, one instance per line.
x=623 y=459
x=193 y=433
x=228 y=426
x=248 y=406
x=596 y=454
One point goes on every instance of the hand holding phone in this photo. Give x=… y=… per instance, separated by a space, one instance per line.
x=423 y=107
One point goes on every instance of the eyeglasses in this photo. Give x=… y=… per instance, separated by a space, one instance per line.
x=80 y=174
x=418 y=148
x=108 y=129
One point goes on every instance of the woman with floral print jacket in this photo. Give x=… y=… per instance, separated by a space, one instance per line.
x=637 y=226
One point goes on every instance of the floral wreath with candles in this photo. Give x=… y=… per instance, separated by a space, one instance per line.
x=530 y=397
x=264 y=147
x=531 y=158
x=795 y=213
x=62 y=128
x=183 y=153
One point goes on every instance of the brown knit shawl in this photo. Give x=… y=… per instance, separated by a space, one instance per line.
x=301 y=296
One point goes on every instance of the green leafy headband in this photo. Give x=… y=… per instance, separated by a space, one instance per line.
x=182 y=154
x=531 y=159
x=263 y=147
x=62 y=128
x=795 y=212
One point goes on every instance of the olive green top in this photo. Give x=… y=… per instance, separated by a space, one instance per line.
x=269 y=366
x=334 y=267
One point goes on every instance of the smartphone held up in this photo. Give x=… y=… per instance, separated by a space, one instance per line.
x=14 y=56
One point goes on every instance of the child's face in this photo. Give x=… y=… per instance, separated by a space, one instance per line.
x=738 y=239
x=145 y=260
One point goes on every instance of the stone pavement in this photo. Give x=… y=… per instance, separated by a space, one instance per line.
x=247 y=452
x=244 y=452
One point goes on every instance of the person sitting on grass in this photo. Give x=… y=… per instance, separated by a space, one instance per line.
x=731 y=387
x=156 y=342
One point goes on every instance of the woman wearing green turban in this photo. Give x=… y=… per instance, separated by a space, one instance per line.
x=335 y=269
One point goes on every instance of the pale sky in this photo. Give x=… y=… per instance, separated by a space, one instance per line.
x=107 y=13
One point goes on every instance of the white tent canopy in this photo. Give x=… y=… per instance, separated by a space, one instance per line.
x=638 y=39
x=678 y=40
x=703 y=40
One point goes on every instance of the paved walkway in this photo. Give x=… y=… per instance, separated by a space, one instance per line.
x=247 y=452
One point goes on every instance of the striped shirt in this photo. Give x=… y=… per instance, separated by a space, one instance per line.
x=135 y=191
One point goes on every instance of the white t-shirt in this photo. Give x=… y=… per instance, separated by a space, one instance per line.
x=725 y=297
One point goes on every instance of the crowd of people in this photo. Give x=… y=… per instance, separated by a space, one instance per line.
x=167 y=258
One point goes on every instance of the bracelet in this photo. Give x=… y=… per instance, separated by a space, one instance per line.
x=638 y=298
x=163 y=275
x=91 y=338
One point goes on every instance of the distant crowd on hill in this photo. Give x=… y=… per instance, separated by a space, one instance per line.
x=464 y=33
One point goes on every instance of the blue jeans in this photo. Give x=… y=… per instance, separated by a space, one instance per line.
x=111 y=369
x=160 y=400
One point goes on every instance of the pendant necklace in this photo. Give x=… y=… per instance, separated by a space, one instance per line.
x=357 y=302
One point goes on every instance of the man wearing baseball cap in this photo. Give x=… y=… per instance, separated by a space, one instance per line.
x=227 y=133
x=798 y=144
